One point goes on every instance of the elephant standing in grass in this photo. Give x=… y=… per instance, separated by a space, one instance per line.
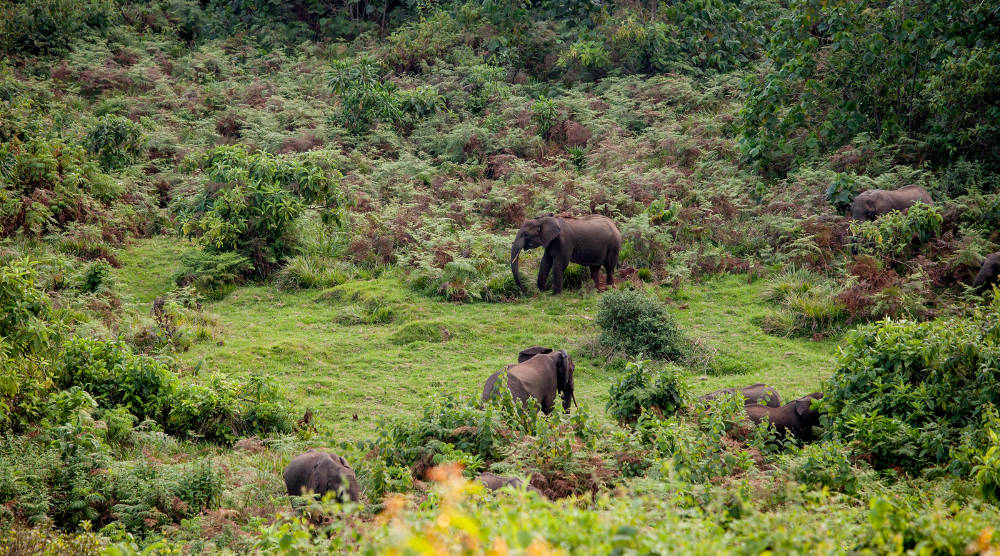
x=753 y=394
x=988 y=273
x=869 y=205
x=796 y=418
x=541 y=373
x=320 y=472
x=592 y=241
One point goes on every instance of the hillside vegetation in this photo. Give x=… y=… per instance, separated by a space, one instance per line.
x=231 y=231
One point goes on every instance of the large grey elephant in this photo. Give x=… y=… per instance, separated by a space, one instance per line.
x=869 y=205
x=321 y=472
x=753 y=394
x=988 y=273
x=796 y=417
x=541 y=373
x=592 y=241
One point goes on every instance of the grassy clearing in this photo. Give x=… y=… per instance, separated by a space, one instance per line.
x=308 y=341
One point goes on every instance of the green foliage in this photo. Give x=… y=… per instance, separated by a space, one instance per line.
x=641 y=389
x=49 y=26
x=987 y=469
x=116 y=141
x=545 y=115
x=825 y=464
x=632 y=322
x=809 y=306
x=906 y=392
x=221 y=411
x=365 y=96
x=837 y=70
x=213 y=274
x=893 y=234
x=48 y=183
x=841 y=192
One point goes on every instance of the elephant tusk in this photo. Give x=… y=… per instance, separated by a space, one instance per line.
x=574 y=401
x=516 y=257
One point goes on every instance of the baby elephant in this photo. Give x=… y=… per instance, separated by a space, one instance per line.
x=988 y=273
x=320 y=472
x=753 y=394
x=496 y=482
x=795 y=417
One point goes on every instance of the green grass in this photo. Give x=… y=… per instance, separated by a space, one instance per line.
x=342 y=370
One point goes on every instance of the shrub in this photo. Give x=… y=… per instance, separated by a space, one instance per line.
x=48 y=26
x=640 y=388
x=213 y=274
x=635 y=323
x=311 y=271
x=825 y=464
x=365 y=95
x=893 y=234
x=116 y=141
x=907 y=392
x=221 y=411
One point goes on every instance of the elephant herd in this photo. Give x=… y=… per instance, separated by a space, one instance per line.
x=540 y=376
x=594 y=241
x=544 y=374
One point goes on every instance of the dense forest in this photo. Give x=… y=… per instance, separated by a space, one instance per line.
x=234 y=231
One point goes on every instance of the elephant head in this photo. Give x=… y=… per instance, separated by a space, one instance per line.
x=867 y=204
x=564 y=378
x=808 y=417
x=528 y=353
x=537 y=232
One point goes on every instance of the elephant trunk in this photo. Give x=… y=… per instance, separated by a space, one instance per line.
x=515 y=252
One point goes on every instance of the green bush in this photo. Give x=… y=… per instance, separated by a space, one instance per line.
x=906 y=393
x=48 y=183
x=632 y=322
x=640 y=388
x=212 y=274
x=49 y=26
x=893 y=234
x=220 y=411
x=116 y=141
x=365 y=96
x=825 y=464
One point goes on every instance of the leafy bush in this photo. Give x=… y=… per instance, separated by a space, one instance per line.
x=48 y=26
x=48 y=183
x=213 y=274
x=825 y=464
x=365 y=95
x=634 y=323
x=116 y=141
x=907 y=392
x=221 y=411
x=254 y=214
x=640 y=389
x=894 y=233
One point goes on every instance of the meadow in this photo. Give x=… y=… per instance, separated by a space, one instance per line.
x=233 y=231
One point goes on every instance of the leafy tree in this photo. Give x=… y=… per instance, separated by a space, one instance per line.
x=365 y=95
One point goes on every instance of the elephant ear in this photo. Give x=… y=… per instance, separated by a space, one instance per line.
x=551 y=228
x=562 y=371
x=528 y=353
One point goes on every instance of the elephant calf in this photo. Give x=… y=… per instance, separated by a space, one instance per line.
x=496 y=482
x=541 y=373
x=753 y=394
x=988 y=273
x=320 y=472
x=869 y=205
x=796 y=417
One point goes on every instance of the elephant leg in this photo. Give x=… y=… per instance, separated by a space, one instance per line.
x=543 y=271
x=609 y=267
x=557 y=276
x=595 y=275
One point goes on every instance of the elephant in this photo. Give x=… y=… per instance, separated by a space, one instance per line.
x=988 y=273
x=540 y=373
x=321 y=472
x=592 y=241
x=869 y=205
x=795 y=417
x=752 y=394
x=496 y=482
